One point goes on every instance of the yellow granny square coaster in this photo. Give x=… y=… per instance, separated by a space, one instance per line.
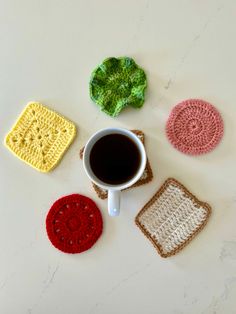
x=40 y=137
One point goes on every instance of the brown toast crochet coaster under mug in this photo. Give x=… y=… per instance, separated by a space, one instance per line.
x=145 y=178
x=172 y=218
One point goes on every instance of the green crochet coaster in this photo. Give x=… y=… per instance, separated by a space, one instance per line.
x=116 y=84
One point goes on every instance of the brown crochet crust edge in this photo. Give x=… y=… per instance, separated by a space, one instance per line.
x=148 y=168
x=100 y=194
x=154 y=198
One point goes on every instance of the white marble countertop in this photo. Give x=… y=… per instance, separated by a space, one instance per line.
x=48 y=50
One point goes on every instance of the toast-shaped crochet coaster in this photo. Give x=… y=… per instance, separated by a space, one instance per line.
x=145 y=178
x=40 y=137
x=172 y=218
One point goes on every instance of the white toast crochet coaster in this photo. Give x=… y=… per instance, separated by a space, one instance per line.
x=172 y=218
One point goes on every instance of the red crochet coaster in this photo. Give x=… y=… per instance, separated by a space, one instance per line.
x=194 y=127
x=74 y=223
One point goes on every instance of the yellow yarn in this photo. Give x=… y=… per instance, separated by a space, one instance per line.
x=40 y=137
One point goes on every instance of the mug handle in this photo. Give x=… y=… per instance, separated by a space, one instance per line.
x=114 y=202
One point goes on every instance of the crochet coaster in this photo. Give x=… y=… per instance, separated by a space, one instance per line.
x=116 y=84
x=172 y=218
x=74 y=223
x=40 y=137
x=145 y=178
x=194 y=127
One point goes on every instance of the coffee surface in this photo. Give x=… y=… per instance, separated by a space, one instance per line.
x=115 y=159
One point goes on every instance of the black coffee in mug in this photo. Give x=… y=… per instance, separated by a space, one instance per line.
x=115 y=159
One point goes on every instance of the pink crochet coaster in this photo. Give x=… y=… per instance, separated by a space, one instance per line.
x=194 y=127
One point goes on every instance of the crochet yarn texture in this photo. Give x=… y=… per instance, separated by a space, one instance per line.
x=172 y=218
x=194 y=127
x=40 y=137
x=74 y=223
x=116 y=84
x=146 y=177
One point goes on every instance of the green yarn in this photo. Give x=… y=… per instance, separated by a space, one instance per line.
x=116 y=84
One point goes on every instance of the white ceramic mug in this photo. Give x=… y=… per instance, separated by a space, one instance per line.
x=113 y=190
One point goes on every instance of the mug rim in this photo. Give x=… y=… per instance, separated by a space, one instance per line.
x=90 y=143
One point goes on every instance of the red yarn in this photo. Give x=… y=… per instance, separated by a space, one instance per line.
x=194 y=127
x=74 y=223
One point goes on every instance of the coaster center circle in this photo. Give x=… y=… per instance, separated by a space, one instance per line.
x=73 y=223
x=194 y=126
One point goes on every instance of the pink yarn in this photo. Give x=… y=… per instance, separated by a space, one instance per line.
x=194 y=127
